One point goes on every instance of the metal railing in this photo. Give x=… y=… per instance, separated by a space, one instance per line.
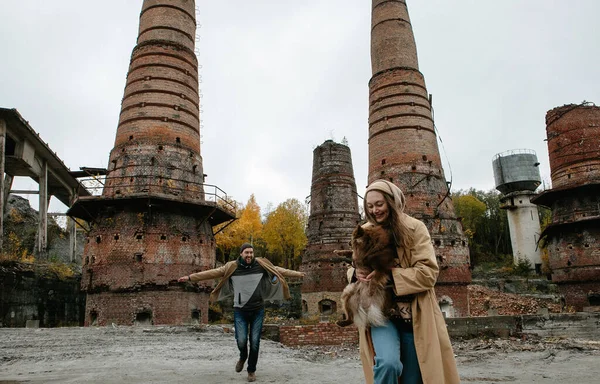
x=153 y=185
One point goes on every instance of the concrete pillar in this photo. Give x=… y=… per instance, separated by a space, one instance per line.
x=8 y=180
x=43 y=211
x=2 y=200
x=72 y=228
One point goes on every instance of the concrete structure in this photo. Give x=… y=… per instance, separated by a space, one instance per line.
x=573 y=237
x=23 y=153
x=153 y=221
x=333 y=217
x=403 y=146
x=517 y=177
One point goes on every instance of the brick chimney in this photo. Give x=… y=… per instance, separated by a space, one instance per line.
x=403 y=147
x=153 y=221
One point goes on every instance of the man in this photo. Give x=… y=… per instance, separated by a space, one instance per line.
x=251 y=281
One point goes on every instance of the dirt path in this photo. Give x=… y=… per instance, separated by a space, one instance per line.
x=188 y=355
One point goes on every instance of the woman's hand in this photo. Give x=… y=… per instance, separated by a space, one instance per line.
x=364 y=274
x=183 y=279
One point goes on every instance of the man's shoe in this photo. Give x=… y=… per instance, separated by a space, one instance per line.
x=239 y=365
x=251 y=376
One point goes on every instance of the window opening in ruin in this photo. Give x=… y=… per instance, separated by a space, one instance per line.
x=184 y=239
x=446 y=307
x=383 y=162
x=131 y=137
x=414 y=167
x=178 y=140
x=163 y=237
x=195 y=316
x=594 y=299
x=327 y=307
x=139 y=236
x=453 y=243
x=143 y=318
x=139 y=257
x=160 y=147
x=152 y=161
x=438 y=243
x=98 y=239
x=93 y=318
x=304 y=306
x=424 y=158
x=117 y=237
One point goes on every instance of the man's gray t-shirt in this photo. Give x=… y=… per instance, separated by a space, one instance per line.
x=247 y=283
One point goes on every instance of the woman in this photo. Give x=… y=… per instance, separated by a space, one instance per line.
x=414 y=343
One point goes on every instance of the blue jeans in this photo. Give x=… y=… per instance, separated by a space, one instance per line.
x=248 y=322
x=395 y=355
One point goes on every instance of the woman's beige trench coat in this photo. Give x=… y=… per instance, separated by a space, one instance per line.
x=434 y=351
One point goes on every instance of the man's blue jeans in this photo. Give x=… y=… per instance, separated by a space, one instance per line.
x=248 y=323
x=395 y=355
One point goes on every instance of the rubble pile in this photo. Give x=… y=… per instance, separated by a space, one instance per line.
x=484 y=301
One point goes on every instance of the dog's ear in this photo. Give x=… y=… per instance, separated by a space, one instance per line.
x=359 y=231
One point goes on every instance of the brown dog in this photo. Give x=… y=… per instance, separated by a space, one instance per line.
x=366 y=303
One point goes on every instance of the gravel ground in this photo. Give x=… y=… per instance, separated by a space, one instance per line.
x=208 y=355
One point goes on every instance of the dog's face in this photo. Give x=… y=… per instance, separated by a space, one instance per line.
x=369 y=244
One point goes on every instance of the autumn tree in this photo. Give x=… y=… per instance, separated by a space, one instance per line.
x=471 y=210
x=245 y=229
x=486 y=225
x=284 y=235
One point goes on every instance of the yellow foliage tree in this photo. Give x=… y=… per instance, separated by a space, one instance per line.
x=284 y=233
x=246 y=228
x=471 y=209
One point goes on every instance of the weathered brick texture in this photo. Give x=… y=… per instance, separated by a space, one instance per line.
x=319 y=334
x=403 y=143
x=333 y=217
x=153 y=222
x=573 y=236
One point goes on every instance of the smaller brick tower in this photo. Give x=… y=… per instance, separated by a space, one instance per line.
x=573 y=237
x=333 y=217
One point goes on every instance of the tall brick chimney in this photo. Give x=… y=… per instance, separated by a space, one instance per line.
x=403 y=147
x=333 y=217
x=153 y=221
x=573 y=237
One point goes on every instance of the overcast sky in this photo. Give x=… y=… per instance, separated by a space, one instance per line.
x=280 y=77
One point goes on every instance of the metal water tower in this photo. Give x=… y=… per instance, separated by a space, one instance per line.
x=517 y=176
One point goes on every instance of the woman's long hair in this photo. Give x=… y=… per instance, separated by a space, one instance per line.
x=395 y=201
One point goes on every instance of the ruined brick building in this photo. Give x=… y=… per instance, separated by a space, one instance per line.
x=333 y=217
x=573 y=237
x=153 y=221
x=403 y=147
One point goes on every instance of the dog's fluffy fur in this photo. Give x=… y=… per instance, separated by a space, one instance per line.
x=366 y=303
